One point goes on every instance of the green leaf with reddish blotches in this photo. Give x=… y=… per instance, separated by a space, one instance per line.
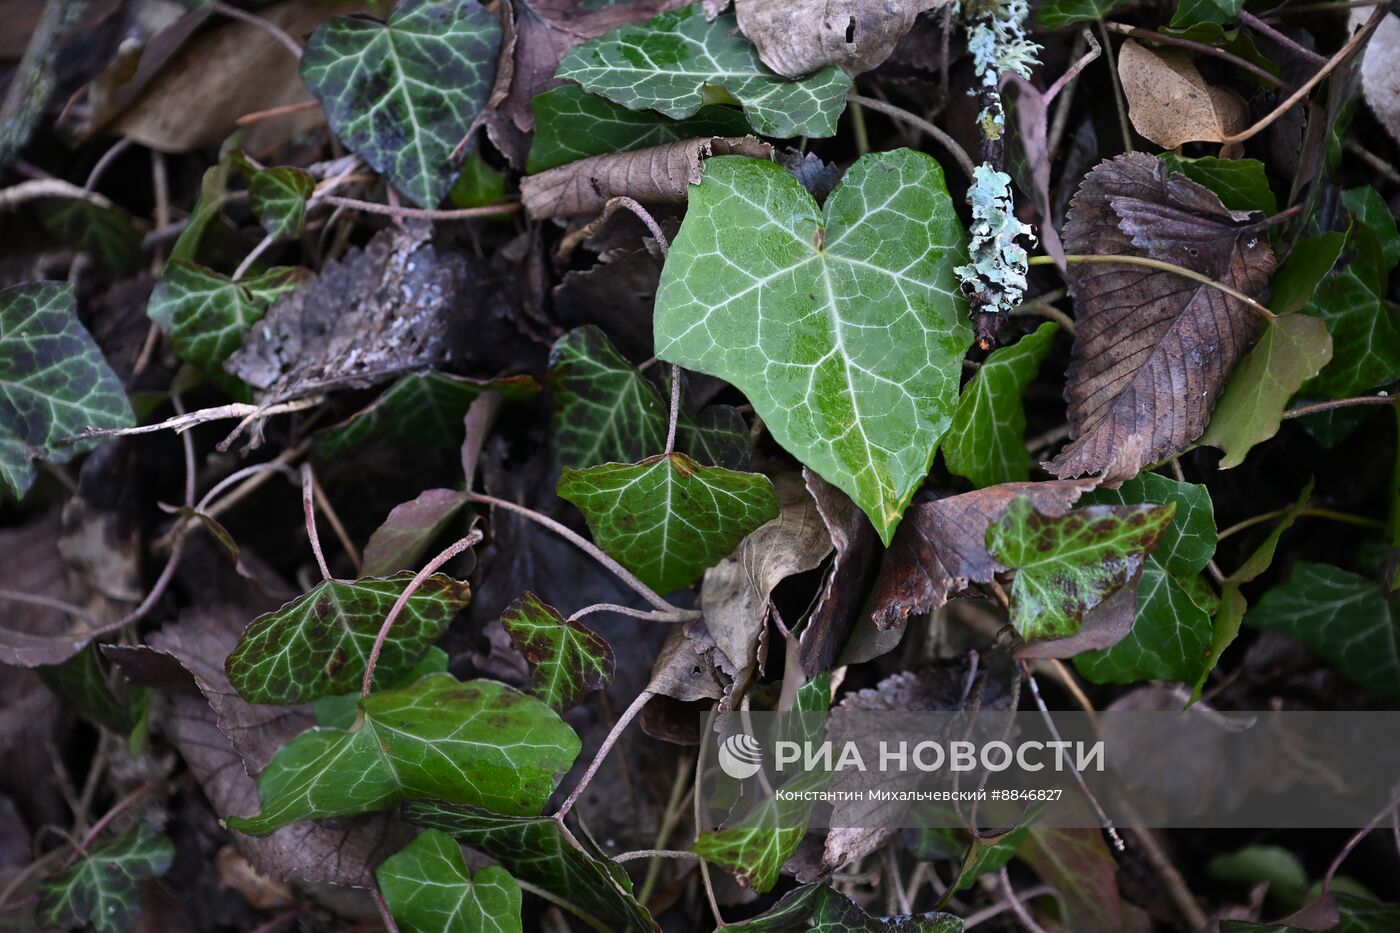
x=317 y=644
x=479 y=743
x=54 y=382
x=567 y=661
x=668 y=519
x=103 y=889
x=535 y=849
x=429 y=889
x=1068 y=564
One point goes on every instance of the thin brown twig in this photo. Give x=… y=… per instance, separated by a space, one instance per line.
x=105 y=162
x=323 y=503
x=1161 y=266
x=1014 y=902
x=1119 y=99
x=614 y=734
x=949 y=144
x=1315 y=407
x=384 y=915
x=39 y=188
x=1136 y=32
x=571 y=242
x=417 y=213
x=267 y=26
x=257 y=116
x=1264 y=29
x=685 y=615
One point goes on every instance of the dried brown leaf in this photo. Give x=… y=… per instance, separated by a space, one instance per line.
x=798 y=37
x=1380 y=78
x=658 y=175
x=847 y=579
x=1170 y=103
x=1153 y=349
x=31 y=635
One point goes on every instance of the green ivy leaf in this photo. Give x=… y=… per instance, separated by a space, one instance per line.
x=567 y=661
x=107 y=233
x=987 y=441
x=1190 y=12
x=426 y=408
x=1292 y=349
x=104 y=889
x=844 y=327
x=1066 y=565
x=1171 y=636
x=206 y=315
x=535 y=849
x=82 y=681
x=279 y=197
x=317 y=644
x=992 y=852
x=54 y=382
x=1307 y=265
x=339 y=711
x=1370 y=210
x=668 y=519
x=571 y=124
x=478 y=184
x=674 y=61
x=402 y=94
x=605 y=411
x=1344 y=617
x=1241 y=183
x=480 y=743
x=821 y=909
x=428 y=889
x=1058 y=13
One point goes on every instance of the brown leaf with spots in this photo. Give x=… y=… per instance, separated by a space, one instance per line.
x=1170 y=103
x=798 y=37
x=1153 y=349
x=940 y=548
x=657 y=175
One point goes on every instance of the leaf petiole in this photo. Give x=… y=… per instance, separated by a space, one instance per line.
x=1158 y=264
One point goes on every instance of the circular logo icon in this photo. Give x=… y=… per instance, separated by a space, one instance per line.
x=740 y=756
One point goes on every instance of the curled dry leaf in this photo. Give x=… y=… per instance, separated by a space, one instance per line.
x=847 y=579
x=1170 y=103
x=799 y=37
x=1153 y=349
x=657 y=175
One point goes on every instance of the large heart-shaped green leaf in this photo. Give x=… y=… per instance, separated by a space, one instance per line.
x=54 y=382
x=567 y=661
x=536 y=850
x=103 y=889
x=674 y=61
x=668 y=519
x=317 y=644
x=479 y=743
x=428 y=889
x=402 y=94
x=845 y=328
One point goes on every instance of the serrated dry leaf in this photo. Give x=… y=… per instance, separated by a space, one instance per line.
x=1170 y=103
x=658 y=175
x=798 y=37
x=1153 y=349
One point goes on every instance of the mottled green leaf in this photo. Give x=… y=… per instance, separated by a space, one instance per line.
x=1190 y=12
x=1241 y=184
x=536 y=850
x=1292 y=349
x=54 y=382
x=428 y=889
x=674 y=62
x=1059 y=13
x=668 y=519
x=107 y=233
x=821 y=909
x=567 y=660
x=571 y=124
x=206 y=315
x=403 y=94
x=605 y=411
x=1344 y=617
x=1066 y=565
x=103 y=890
x=338 y=711
x=279 y=197
x=987 y=441
x=480 y=743
x=426 y=408
x=844 y=326
x=1171 y=636
x=1371 y=211
x=408 y=531
x=317 y=644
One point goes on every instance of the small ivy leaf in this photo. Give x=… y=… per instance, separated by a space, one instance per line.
x=1344 y=617
x=428 y=889
x=844 y=326
x=987 y=441
x=668 y=519
x=1066 y=565
x=206 y=315
x=605 y=411
x=567 y=661
x=339 y=711
x=1241 y=184
x=398 y=544
x=992 y=852
x=317 y=644
x=671 y=61
x=402 y=94
x=82 y=681
x=103 y=890
x=821 y=909
x=1293 y=349
x=536 y=850
x=1058 y=13
x=279 y=197
x=107 y=233
x=426 y=408
x=571 y=124
x=54 y=382
x=1191 y=12
x=480 y=743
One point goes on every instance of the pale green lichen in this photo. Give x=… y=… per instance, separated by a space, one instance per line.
x=998 y=44
x=996 y=277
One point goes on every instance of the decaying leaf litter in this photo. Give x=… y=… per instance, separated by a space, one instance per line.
x=519 y=382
